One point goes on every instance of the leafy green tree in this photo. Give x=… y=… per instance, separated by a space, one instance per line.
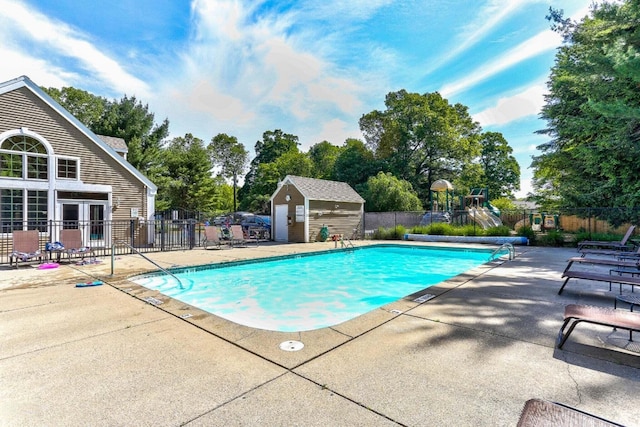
x=131 y=120
x=186 y=181
x=501 y=171
x=324 y=156
x=593 y=111
x=422 y=138
x=355 y=164
x=385 y=193
x=273 y=145
x=84 y=106
x=127 y=119
x=231 y=156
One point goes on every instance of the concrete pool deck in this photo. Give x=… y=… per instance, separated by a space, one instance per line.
x=473 y=355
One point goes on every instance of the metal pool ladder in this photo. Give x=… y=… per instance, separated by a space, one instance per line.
x=347 y=244
x=509 y=247
x=113 y=259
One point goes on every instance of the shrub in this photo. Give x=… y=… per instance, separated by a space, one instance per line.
x=440 y=229
x=527 y=231
x=470 y=230
x=394 y=233
x=501 y=230
x=552 y=238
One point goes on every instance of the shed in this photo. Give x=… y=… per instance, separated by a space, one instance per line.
x=301 y=206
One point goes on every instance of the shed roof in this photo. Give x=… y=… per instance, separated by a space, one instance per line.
x=322 y=189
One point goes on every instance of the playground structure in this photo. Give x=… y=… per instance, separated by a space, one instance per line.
x=480 y=210
x=476 y=205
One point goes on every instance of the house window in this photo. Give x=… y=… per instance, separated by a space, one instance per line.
x=67 y=168
x=23 y=157
x=18 y=212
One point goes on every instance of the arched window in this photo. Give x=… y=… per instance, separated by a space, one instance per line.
x=23 y=157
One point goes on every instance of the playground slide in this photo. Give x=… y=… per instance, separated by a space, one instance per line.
x=484 y=217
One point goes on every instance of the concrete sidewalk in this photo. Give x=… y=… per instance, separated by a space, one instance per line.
x=471 y=356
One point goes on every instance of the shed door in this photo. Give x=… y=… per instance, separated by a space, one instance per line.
x=282 y=223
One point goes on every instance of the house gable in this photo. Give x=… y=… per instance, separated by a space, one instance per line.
x=31 y=92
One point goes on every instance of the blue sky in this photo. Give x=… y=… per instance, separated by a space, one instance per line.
x=310 y=68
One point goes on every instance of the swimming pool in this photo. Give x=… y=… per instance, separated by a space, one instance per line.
x=316 y=290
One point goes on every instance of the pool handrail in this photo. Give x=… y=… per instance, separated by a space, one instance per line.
x=113 y=258
x=509 y=247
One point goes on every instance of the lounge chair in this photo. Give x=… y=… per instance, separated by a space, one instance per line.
x=26 y=246
x=71 y=239
x=574 y=314
x=622 y=245
x=620 y=253
x=237 y=235
x=599 y=277
x=212 y=237
x=542 y=413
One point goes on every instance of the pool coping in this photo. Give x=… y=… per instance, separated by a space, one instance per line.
x=266 y=343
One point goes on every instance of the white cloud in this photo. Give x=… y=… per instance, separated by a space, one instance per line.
x=525 y=103
x=62 y=41
x=488 y=18
x=542 y=42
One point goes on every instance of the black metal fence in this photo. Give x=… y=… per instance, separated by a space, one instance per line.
x=158 y=235
x=118 y=237
x=587 y=220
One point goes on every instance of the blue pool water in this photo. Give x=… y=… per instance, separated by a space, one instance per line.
x=312 y=291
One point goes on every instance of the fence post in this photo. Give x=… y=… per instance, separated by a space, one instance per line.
x=132 y=225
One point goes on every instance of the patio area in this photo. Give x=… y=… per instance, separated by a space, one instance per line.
x=119 y=354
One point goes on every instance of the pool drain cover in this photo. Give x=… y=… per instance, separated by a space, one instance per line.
x=424 y=298
x=291 y=346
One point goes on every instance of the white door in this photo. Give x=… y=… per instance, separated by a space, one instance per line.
x=88 y=217
x=282 y=223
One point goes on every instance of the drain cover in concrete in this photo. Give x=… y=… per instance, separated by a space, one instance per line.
x=424 y=298
x=291 y=346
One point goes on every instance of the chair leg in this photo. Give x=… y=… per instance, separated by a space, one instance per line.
x=563 y=285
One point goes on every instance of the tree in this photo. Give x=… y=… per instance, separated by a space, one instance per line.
x=230 y=155
x=84 y=106
x=132 y=121
x=385 y=193
x=421 y=138
x=501 y=172
x=186 y=182
x=127 y=119
x=593 y=111
x=323 y=155
x=355 y=164
x=273 y=145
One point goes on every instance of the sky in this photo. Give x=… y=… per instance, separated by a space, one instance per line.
x=309 y=68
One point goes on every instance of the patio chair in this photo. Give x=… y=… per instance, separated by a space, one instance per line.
x=623 y=244
x=605 y=316
x=620 y=253
x=71 y=239
x=542 y=413
x=26 y=246
x=600 y=277
x=212 y=237
x=237 y=235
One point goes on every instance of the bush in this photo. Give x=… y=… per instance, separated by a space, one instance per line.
x=527 y=231
x=552 y=238
x=501 y=230
x=395 y=233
